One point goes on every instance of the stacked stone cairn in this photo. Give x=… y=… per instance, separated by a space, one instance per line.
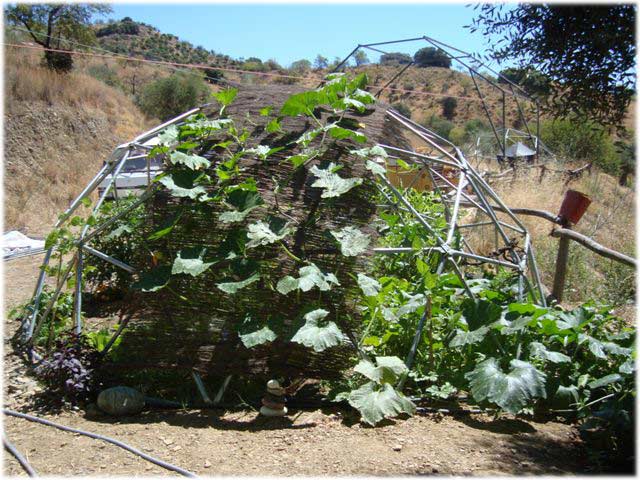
x=273 y=401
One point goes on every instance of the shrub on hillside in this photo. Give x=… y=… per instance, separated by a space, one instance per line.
x=395 y=58
x=169 y=97
x=449 y=105
x=582 y=141
x=438 y=125
x=431 y=57
x=105 y=74
x=402 y=109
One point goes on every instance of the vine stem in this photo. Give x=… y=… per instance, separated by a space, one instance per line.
x=288 y=252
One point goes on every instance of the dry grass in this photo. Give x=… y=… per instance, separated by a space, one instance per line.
x=58 y=130
x=610 y=220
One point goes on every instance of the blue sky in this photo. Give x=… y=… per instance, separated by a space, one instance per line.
x=289 y=32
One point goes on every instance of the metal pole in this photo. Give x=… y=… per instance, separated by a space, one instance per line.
x=77 y=300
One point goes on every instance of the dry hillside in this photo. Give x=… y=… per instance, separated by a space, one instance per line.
x=58 y=130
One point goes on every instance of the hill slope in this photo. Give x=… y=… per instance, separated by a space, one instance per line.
x=58 y=131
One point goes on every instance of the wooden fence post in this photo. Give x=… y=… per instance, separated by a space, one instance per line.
x=561 y=268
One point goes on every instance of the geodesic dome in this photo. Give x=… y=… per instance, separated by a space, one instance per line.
x=260 y=233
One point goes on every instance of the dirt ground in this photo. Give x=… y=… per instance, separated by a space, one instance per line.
x=209 y=442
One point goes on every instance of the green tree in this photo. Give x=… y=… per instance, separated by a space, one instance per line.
x=586 y=51
x=431 y=57
x=301 y=66
x=321 y=62
x=169 y=97
x=449 y=105
x=395 y=58
x=573 y=139
x=50 y=24
x=361 y=58
x=531 y=80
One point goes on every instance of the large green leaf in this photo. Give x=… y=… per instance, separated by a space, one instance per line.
x=463 y=337
x=226 y=96
x=369 y=286
x=565 y=397
x=331 y=182
x=376 y=403
x=190 y=261
x=317 y=333
x=479 y=313
x=259 y=337
x=595 y=346
x=263 y=233
x=194 y=162
x=244 y=201
x=182 y=184
x=340 y=133
x=311 y=276
x=302 y=103
x=511 y=391
x=606 y=380
x=154 y=279
x=352 y=241
x=388 y=369
x=167 y=225
x=233 y=287
x=168 y=136
x=538 y=350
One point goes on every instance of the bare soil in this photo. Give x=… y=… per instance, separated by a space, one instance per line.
x=211 y=442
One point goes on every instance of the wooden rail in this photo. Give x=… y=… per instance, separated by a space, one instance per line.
x=593 y=246
x=569 y=234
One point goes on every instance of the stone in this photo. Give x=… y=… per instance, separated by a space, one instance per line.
x=397 y=448
x=207 y=464
x=270 y=412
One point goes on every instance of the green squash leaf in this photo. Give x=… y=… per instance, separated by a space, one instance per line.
x=259 y=337
x=538 y=350
x=340 y=133
x=169 y=136
x=375 y=404
x=352 y=241
x=226 y=96
x=190 y=261
x=318 y=336
x=244 y=202
x=511 y=391
x=233 y=287
x=302 y=103
x=182 y=184
x=263 y=233
x=167 y=225
x=194 y=162
x=604 y=381
x=369 y=286
x=463 y=337
x=332 y=183
x=388 y=370
x=153 y=280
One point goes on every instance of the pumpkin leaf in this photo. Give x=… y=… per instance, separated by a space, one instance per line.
x=388 y=369
x=511 y=391
x=538 y=350
x=154 y=279
x=233 y=287
x=263 y=233
x=244 y=201
x=318 y=336
x=352 y=241
x=463 y=337
x=369 y=286
x=194 y=162
x=182 y=184
x=376 y=403
x=167 y=225
x=331 y=182
x=190 y=261
x=604 y=381
x=259 y=337
x=169 y=135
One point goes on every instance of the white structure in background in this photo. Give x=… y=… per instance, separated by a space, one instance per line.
x=137 y=173
x=16 y=244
